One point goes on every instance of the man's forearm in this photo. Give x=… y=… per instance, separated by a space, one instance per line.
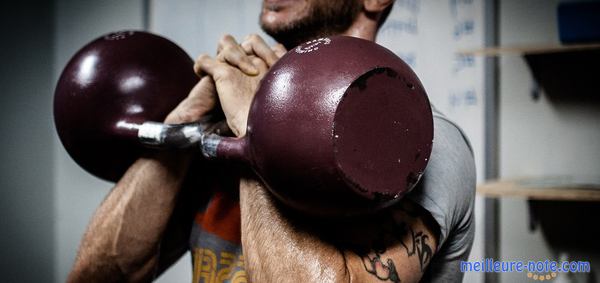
x=396 y=243
x=275 y=251
x=122 y=240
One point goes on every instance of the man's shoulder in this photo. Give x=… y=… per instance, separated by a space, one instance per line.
x=447 y=189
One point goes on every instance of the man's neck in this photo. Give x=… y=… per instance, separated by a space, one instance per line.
x=363 y=27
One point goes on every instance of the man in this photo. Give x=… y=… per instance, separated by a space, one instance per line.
x=238 y=231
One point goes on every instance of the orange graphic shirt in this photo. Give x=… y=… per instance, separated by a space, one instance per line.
x=215 y=240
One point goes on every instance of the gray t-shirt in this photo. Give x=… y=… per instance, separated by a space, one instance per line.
x=447 y=191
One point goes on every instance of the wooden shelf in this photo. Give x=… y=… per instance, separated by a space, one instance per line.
x=562 y=188
x=528 y=49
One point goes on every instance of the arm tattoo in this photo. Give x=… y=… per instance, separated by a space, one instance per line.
x=418 y=245
x=423 y=249
x=383 y=271
x=394 y=231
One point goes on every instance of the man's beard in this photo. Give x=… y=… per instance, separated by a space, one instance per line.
x=329 y=18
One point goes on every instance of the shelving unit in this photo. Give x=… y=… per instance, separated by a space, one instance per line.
x=559 y=188
x=528 y=49
x=560 y=206
x=563 y=72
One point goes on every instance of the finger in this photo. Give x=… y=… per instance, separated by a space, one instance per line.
x=279 y=50
x=205 y=88
x=197 y=69
x=225 y=40
x=205 y=65
x=201 y=100
x=231 y=52
x=260 y=64
x=236 y=57
x=254 y=44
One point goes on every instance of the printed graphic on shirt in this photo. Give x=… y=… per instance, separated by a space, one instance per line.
x=211 y=267
x=215 y=242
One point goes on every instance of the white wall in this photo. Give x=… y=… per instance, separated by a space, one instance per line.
x=197 y=26
x=76 y=193
x=537 y=138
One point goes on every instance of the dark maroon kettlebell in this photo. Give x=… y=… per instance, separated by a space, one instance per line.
x=120 y=79
x=338 y=126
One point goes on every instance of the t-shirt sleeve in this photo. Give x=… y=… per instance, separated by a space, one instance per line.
x=447 y=191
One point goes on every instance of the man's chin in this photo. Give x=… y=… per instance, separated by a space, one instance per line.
x=291 y=27
x=277 y=27
x=276 y=20
x=270 y=21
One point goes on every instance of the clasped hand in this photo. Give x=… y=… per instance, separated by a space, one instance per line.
x=233 y=77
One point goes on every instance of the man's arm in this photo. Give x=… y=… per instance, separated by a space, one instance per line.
x=395 y=245
x=123 y=239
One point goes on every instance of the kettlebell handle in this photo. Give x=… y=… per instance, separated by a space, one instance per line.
x=187 y=135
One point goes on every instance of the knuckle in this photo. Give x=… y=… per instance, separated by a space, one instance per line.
x=197 y=68
x=257 y=61
x=246 y=44
x=200 y=62
x=202 y=58
x=228 y=49
x=247 y=47
x=225 y=39
x=253 y=37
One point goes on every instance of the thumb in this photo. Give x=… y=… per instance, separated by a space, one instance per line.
x=201 y=100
